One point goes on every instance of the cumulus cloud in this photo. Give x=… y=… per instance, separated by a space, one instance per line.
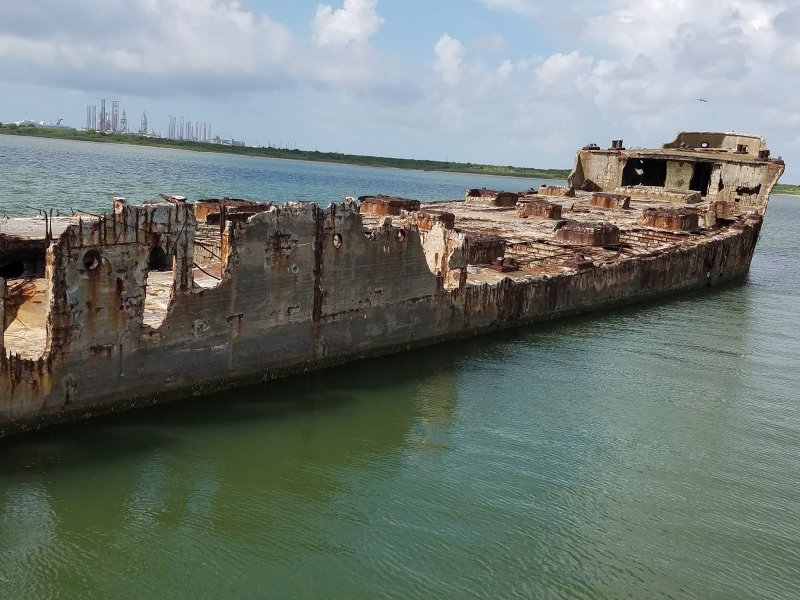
x=171 y=43
x=640 y=65
x=635 y=89
x=522 y=7
x=563 y=69
x=169 y=46
x=618 y=67
x=505 y=69
x=356 y=21
x=449 y=56
x=493 y=43
x=654 y=27
x=787 y=51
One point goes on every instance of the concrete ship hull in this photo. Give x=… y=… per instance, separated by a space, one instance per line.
x=169 y=300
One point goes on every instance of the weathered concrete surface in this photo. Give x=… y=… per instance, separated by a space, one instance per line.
x=428 y=218
x=381 y=205
x=670 y=219
x=694 y=167
x=530 y=207
x=588 y=234
x=610 y=201
x=3 y=322
x=557 y=191
x=298 y=287
x=204 y=208
x=484 y=197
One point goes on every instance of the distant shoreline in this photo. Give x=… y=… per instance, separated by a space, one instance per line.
x=311 y=155
x=786 y=189
x=284 y=153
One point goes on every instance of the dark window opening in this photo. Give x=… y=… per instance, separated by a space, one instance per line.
x=749 y=191
x=92 y=260
x=645 y=171
x=158 y=260
x=16 y=263
x=701 y=178
x=12 y=269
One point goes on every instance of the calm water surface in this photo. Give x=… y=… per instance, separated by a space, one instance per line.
x=60 y=174
x=651 y=452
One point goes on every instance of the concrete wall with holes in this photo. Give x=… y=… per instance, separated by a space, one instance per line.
x=96 y=275
x=735 y=180
x=303 y=287
x=723 y=141
x=300 y=285
x=3 y=324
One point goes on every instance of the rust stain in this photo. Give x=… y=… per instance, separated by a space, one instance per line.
x=253 y=290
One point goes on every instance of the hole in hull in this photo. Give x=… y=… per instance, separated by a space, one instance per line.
x=645 y=171
x=12 y=269
x=158 y=260
x=158 y=287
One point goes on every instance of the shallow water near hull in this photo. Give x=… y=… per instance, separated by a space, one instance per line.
x=650 y=452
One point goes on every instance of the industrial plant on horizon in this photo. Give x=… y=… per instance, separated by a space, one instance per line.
x=178 y=128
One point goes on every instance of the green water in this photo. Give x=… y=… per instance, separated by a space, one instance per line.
x=651 y=452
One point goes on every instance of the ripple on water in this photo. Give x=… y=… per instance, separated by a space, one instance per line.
x=649 y=452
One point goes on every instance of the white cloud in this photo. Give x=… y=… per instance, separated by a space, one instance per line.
x=493 y=43
x=449 y=56
x=169 y=46
x=505 y=69
x=653 y=58
x=617 y=68
x=171 y=43
x=787 y=56
x=563 y=69
x=356 y=21
x=522 y=7
x=637 y=88
x=654 y=27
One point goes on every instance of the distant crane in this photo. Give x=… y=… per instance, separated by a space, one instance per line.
x=58 y=123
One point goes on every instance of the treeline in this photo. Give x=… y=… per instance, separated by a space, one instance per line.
x=787 y=188
x=295 y=154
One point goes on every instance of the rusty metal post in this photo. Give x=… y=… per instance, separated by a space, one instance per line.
x=184 y=247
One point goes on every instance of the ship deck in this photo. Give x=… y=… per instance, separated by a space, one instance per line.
x=534 y=247
x=34 y=228
x=529 y=247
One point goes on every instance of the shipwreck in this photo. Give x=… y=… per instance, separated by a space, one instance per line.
x=172 y=298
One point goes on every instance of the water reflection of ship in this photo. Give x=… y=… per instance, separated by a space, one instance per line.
x=273 y=455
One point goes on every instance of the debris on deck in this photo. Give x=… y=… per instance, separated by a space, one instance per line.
x=171 y=298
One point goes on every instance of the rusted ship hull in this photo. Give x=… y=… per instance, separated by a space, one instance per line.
x=277 y=290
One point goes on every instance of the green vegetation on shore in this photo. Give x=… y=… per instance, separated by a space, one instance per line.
x=786 y=188
x=296 y=154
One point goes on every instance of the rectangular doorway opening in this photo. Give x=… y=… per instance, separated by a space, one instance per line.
x=701 y=177
x=23 y=320
x=645 y=171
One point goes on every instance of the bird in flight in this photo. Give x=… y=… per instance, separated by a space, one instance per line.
x=702 y=100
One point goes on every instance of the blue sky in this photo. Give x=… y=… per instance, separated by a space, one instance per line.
x=522 y=82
